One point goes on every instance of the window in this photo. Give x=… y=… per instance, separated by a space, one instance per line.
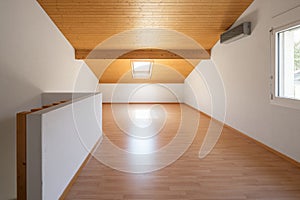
x=286 y=65
x=141 y=69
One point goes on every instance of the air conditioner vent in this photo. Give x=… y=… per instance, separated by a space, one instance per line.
x=236 y=33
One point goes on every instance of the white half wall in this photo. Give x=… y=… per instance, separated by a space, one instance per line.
x=139 y=93
x=60 y=139
x=34 y=58
x=244 y=66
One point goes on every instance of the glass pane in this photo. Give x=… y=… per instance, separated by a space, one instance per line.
x=297 y=62
x=141 y=69
x=289 y=63
x=141 y=66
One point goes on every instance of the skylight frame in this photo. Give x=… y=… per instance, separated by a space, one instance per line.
x=138 y=72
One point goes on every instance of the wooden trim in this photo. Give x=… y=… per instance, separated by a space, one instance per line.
x=21 y=155
x=142 y=103
x=142 y=54
x=21 y=139
x=285 y=157
x=203 y=113
x=73 y=180
x=47 y=106
x=152 y=103
x=36 y=109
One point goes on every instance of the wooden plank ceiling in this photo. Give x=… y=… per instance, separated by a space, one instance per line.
x=119 y=71
x=88 y=25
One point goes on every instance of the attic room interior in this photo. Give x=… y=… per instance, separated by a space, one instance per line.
x=150 y=99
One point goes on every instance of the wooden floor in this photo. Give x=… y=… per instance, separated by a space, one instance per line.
x=237 y=168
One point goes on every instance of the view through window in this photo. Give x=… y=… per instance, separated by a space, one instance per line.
x=141 y=69
x=288 y=63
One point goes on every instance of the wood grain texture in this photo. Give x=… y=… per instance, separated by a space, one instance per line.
x=21 y=155
x=142 y=54
x=237 y=168
x=101 y=29
x=266 y=147
x=88 y=23
x=74 y=178
x=163 y=71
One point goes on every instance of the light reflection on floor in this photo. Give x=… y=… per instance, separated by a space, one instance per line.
x=131 y=146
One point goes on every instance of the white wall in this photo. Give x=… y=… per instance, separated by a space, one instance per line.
x=34 y=57
x=204 y=90
x=60 y=139
x=124 y=93
x=244 y=66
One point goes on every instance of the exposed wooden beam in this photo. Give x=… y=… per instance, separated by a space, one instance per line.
x=142 y=54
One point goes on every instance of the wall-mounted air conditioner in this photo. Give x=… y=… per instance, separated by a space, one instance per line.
x=236 y=33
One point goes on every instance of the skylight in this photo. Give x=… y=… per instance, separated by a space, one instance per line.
x=141 y=69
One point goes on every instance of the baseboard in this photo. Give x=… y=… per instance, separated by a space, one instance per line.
x=142 y=102
x=285 y=157
x=73 y=180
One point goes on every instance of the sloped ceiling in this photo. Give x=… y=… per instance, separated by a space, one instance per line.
x=89 y=25
x=119 y=71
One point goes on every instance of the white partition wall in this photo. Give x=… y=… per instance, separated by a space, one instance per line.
x=142 y=93
x=60 y=138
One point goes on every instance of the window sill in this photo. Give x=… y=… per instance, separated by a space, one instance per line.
x=286 y=102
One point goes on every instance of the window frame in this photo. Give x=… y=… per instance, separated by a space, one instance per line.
x=136 y=74
x=274 y=77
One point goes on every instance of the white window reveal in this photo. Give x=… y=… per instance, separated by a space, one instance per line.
x=141 y=69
